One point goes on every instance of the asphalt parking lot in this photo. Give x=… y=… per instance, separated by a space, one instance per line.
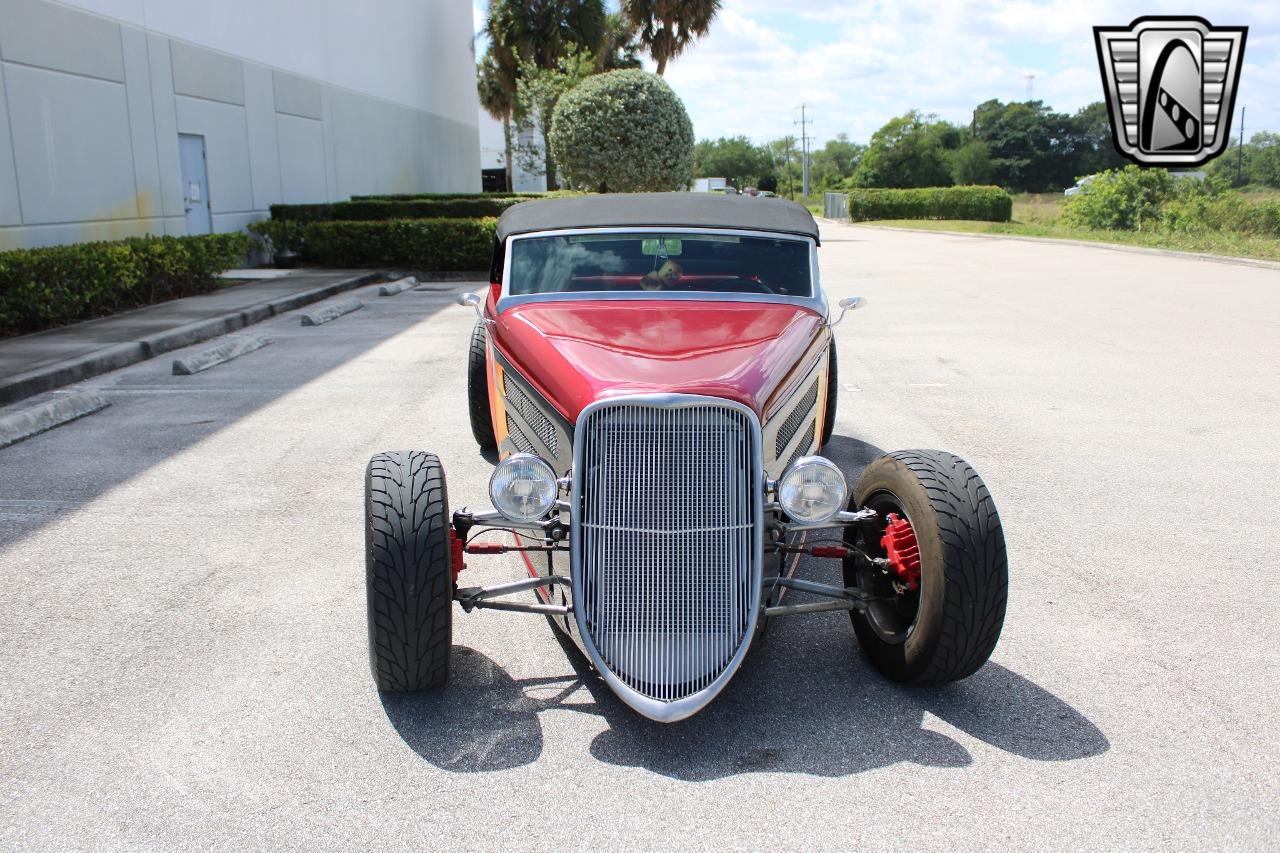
x=182 y=601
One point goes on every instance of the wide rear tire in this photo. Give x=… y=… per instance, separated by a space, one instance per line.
x=478 y=390
x=947 y=627
x=408 y=571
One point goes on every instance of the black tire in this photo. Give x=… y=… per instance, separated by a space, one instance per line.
x=947 y=628
x=478 y=390
x=408 y=571
x=833 y=389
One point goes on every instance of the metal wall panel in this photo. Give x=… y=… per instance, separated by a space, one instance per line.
x=206 y=74
x=265 y=155
x=66 y=174
x=297 y=96
x=10 y=209
x=47 y=35
x=142 y=126
x=165 y=116
x=301 y=160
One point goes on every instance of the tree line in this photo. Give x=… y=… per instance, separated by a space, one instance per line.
x=1023 y=146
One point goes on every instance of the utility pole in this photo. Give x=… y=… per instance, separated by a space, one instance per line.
x=1240 y=153
x=804 y=123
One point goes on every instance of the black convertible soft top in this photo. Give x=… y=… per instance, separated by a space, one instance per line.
x=677 y=209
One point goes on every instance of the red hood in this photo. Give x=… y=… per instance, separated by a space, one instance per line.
x=580 y=352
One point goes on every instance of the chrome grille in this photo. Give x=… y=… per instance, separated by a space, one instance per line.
x=791 y=425
x=530 y=413
x=667 y=548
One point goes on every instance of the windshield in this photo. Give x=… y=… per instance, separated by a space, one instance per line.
x=675 y=262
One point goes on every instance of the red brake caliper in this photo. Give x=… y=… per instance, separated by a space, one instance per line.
x=456 y=546
x=900 y=546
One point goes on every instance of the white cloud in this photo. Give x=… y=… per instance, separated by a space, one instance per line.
x=859 y=63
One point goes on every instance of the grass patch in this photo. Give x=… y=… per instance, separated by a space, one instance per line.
x=1031 y=225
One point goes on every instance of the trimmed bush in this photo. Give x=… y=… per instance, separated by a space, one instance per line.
x=42 y=288
x=444 y=196
x=417 y=244
x=369 y=210
x=623 y=131
x=990 y=204
x=363 y=208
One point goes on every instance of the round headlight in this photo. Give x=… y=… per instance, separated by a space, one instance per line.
x=523 y=487
x=812 y=490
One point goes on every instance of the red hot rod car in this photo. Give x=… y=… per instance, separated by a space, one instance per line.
x=658 y=376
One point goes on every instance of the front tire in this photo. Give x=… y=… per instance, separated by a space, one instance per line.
x=478 y=390
x=833 y=388
x=947 y=626
x=408 y=571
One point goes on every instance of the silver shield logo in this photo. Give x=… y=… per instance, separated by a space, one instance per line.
x=1171 y=85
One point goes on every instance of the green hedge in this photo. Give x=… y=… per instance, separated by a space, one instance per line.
x=416 y=244
x=991 y=204
x=443 y=196
x=41 y=288
x=368 y=210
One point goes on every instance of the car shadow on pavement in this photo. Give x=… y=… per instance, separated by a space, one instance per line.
x=805 y=701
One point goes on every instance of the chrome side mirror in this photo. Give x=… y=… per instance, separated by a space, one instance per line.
x=849 y=303
x=474 y=300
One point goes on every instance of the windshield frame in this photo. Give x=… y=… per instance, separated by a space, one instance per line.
x=817 y=301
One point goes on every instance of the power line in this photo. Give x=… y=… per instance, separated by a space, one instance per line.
x=1240 y=156
x=804 y=123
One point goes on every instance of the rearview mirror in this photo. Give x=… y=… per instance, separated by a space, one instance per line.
x=664 y=246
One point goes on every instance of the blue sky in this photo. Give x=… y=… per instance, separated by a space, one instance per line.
x=860 y=63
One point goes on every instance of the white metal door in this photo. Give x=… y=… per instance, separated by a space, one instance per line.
x=195 y=184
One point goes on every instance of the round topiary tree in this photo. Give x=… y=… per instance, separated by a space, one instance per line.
x=624 y=131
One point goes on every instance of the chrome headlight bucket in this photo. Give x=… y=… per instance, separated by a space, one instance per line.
x=523 y=488
x=812 y=490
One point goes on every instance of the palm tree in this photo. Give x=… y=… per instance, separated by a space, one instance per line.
x=541 y=32
x=497 y=93
x=619 y=47
x=667 y=27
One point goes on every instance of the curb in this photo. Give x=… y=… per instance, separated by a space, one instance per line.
x=47 y=378
x=44 y=417
x=400 y=286
x=1205 y=257
x=331 y=312
x=452 y=275
x=220 y=354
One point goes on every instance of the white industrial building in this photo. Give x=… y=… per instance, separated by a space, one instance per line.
x=126 y=117
x=493 y=153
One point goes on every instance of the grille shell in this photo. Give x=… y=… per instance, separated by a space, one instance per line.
x=667 y=521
